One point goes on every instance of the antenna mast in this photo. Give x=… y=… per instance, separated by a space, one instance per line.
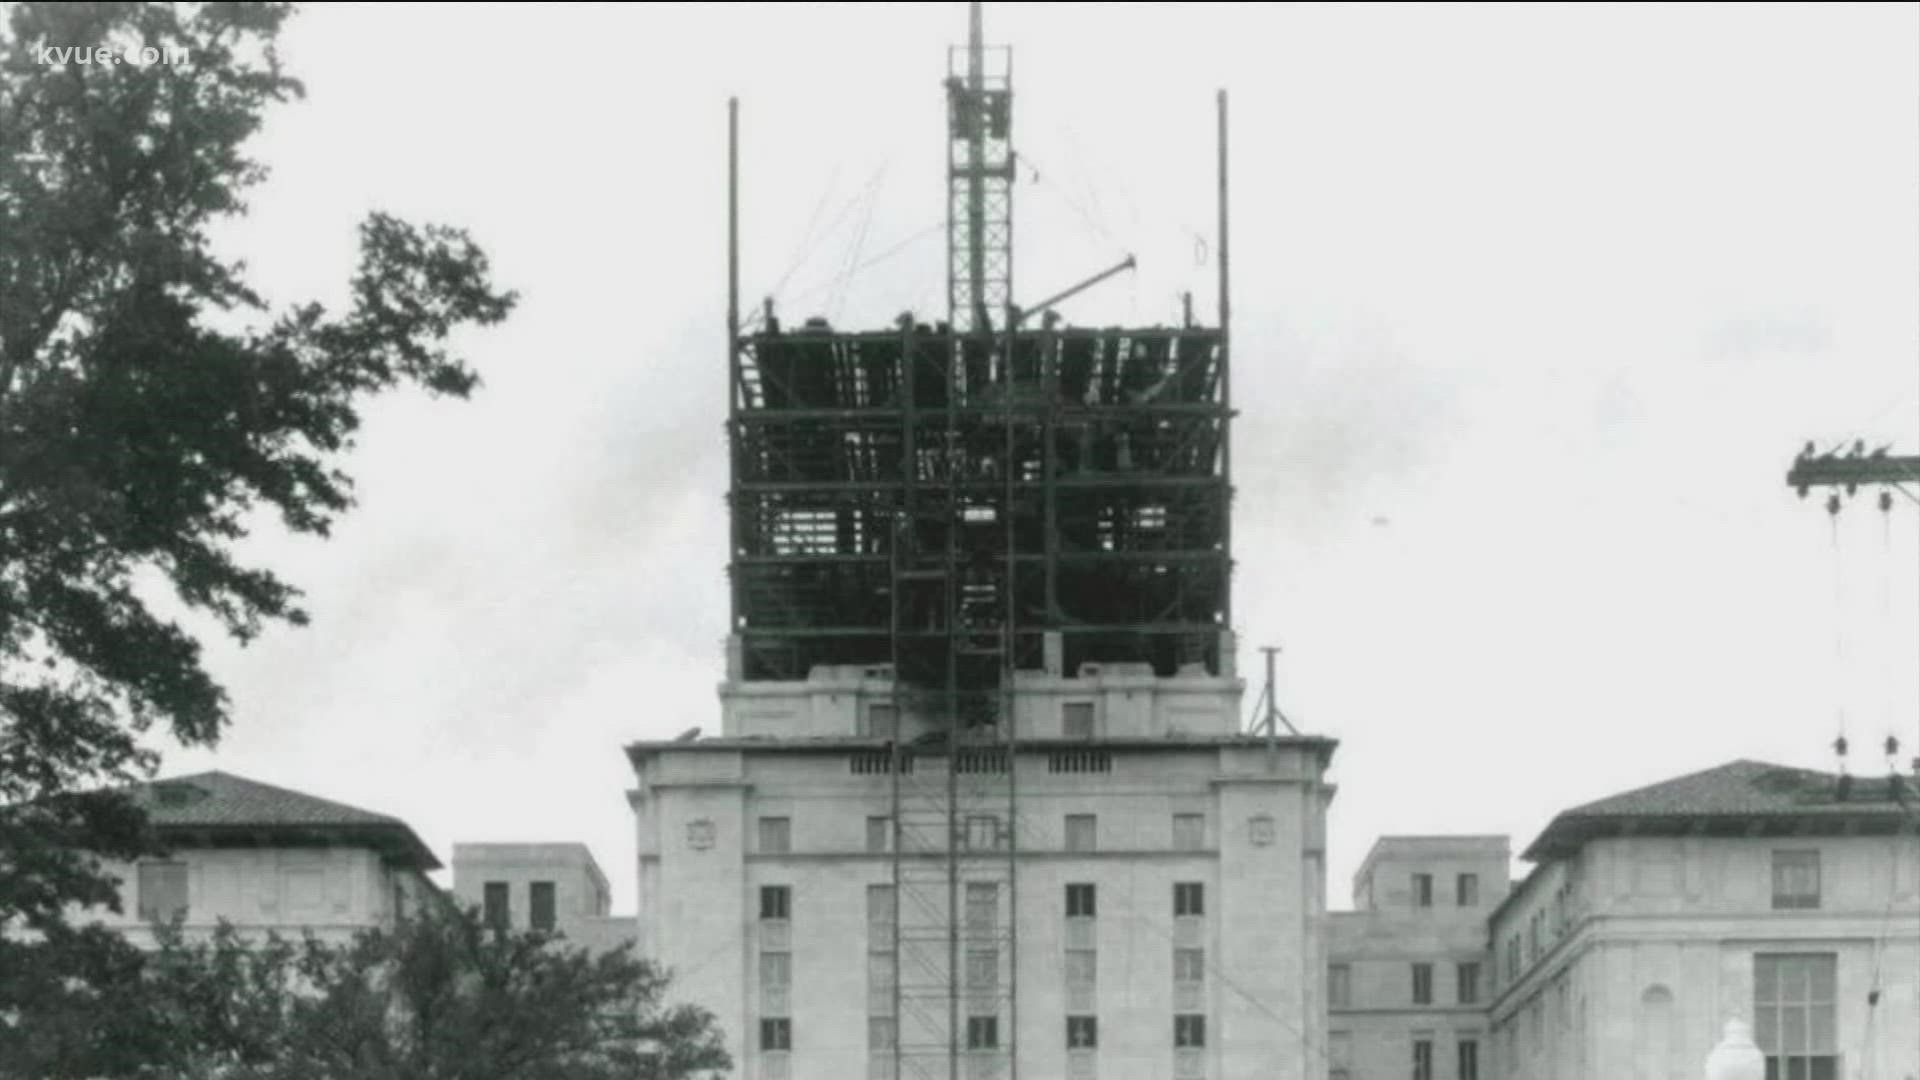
x=979 y=182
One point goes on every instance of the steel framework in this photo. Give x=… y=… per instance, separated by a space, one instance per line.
x=963 y=501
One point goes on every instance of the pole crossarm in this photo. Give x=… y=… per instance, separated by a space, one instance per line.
x=1851 y=469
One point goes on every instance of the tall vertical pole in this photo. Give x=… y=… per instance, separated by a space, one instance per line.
x=976 y=120
x=1226 y=382
x=733 y=230
x=733 y=347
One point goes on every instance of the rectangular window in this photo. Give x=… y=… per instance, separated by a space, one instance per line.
x=1082 y=831
x=1189 y=898
x=879 y=834
x=776 y=1034
x=163 y=891
x=1513 y=957
x=1794 y=1015
x=1466 y=979
x=774 y=901
x=880 y=1033
x=878 y=721
x=1083 y=1032
x=880 y=917
x=497 y=905
x=1423 y=1059
x=1423 y=890
x=1190 y=1031
x=1189 y=965
x=1469 y=1059
x=983 y=906
x=776 y=970
x=1083 y=968
x=882 y=972
x=1076 y=719
x=776 y=835
x=1466 y=890
x=1339 y=986
x=983 y=833
x=983 y=1032
x=1189 y=832
x=1080 y=902
x=540 y=905
x=983 y=969
x=1423 y=984
x=1533 y=938
x=1796 y=880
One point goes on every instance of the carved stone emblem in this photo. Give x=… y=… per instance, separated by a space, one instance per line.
x=1260 y=829
x=700 y=834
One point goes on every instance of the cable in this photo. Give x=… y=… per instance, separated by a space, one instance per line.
x=1839 y=626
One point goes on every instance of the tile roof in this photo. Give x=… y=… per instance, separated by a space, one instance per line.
x=220 y=801
x=1738 y=790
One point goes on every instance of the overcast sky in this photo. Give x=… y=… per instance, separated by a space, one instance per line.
x=1533 y=308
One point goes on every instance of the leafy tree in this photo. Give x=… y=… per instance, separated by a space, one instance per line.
x=437 y=997
x=153 y=410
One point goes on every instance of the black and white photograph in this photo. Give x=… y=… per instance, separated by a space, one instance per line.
x=959 y=541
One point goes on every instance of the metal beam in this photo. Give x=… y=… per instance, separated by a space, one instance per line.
x=1851 y=470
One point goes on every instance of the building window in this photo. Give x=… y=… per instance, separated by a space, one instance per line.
x=983 y=833
x=879 y=917
x=1423 y=984
x=1190 y=1030
x=776 y=1034
x=163 y=891
x=1083 y=1032
x=497 y=905
x=1076 y=719
x=983 y=970
x=1469 y=1059
x=776 y=835
x=776 y=970
x=1466 y=977
x=1423 y=1059
x=1796 y=880
x=775 y=901
x=1080 y=901
x=1189 y=965
x=1533 y=938
x=1189 y=832
x=540 y=905
x=1082 y=830
x=983 y=1032
x=1083 y=968
x=880 y=1033
x=1794 y=1015
x=1189 y=898
x=879 y=833
x=878 y=721
x=1513 y=957
x=1339 y=986
x=1423 y=890
x=983 y=906
x=1466 y=890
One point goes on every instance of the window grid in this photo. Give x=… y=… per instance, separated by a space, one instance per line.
x=1423 y=984
x=1189 y=899
x=1795 y=1013
x=1796 y=880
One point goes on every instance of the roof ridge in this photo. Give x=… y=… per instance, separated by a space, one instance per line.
x=276 y=790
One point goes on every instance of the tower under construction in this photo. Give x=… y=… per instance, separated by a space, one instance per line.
x=981 y=804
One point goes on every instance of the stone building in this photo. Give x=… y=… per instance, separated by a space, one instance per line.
x=1408 y=978
x=556 y=887
x=1782 y=896
x=1165 y=896
x=266 y=858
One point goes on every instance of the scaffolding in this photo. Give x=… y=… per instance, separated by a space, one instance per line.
x=962 y=502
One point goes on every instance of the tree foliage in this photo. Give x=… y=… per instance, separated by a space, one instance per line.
x=437 y=997
x=154 y=410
